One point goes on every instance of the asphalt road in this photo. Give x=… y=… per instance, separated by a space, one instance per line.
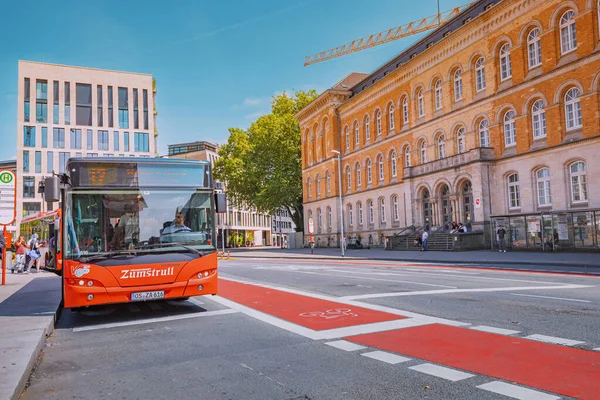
x=247 y=343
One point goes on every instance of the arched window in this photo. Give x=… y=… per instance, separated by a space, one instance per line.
x=367 y=130
x=360 y=212
x=458 y=86
x=568 y=33
x=395 y=212
x=510 y=137
x=329 y=223
x=407 y=157
x=393 y=164
x=318 y=182
x=573 y=109
x=380 y=167
x=534 y=48
x=543 y=185
x=479 y=75
x=356 y=135
x=319 y=220
x=371 y=212
x=514 y=191
x=392 y=121
x=420 y=103
x=358 y=176
x=441 y=146
x=310 y=214
x=460 y=140
x=484 y=133
x=505 y=64
x=423 y=151
x=438 y=94
x=382 y=209
x=369 y=171
x=405 y=110
x=538 y=119
x=309 y=187
x=349 y=178
x=578 y=181
x=378 y=121
x=347 y=136
x=350 y=215
x=328 y=176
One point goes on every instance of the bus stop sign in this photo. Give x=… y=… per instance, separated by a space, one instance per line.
x=8 y=197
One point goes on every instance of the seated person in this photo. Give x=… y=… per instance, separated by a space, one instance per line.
x=178 y=225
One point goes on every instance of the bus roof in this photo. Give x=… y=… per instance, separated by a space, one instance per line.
x=42 y=215
x=136 y=160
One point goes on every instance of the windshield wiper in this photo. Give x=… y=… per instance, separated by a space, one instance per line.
x=199 y=253
x=106 y=256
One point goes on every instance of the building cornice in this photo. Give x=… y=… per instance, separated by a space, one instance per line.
x=329 y=98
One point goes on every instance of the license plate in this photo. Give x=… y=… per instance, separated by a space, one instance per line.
x=141 y=296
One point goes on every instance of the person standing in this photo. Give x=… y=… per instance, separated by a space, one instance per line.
x=501 y=240
x=20 y=246
x=34 y=254
x=424 y=239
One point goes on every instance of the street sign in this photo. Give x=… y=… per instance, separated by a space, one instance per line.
x=311 y=226
x=8 y=197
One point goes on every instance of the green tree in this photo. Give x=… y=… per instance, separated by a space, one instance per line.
x=263 y=165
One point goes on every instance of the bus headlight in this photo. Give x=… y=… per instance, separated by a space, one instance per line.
x=200 y=275
x=81 y=282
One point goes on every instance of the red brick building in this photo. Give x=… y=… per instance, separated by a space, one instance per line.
x=493 y=117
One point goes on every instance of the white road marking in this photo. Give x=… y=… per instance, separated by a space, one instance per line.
x=375 y=279
x=345 y=345
x=552 y=298
x=447 y=291
x=154 y=320
x=133 y=307
x=441 y=372
x=597 y=349
x=386 y=357
x=516 y=392
x=492 y=329
x=196 y=301
x=154 y=306
x=372 y=328
x=555 y=340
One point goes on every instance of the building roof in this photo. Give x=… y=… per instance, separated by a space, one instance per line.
x=200 y=145
x=473 y=11
x=8 y=164
x=77 y=67
x=349 y=81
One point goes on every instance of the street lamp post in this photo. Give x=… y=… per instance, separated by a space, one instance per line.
x=339 y=157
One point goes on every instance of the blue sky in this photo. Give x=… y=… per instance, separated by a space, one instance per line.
x=217 y=63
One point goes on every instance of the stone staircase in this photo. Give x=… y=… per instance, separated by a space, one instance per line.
x=438 y=241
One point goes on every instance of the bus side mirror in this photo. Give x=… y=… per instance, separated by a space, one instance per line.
x=220 y=202
x=52 y=189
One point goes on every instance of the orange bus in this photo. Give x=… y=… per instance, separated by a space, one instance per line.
x=136 y=229
x=47 y=227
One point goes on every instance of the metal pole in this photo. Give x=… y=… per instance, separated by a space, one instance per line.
x=4 y=257
x=341 y=202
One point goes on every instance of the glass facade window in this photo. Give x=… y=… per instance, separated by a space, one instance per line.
x=123 y=108
x=41 y=101
x=29 y=136
x=55 y=108
x=26 y=100
x=63 y=157
x=141 y=142
x=76 y=139
x=110 y=106
x=514 y=191
x=67 y=103
x=31 y=208
x=83 y=110
x=29 y=187
x=44 y=137
x=90 y=139
x=116 y=140
x=145 y=101
x=136 y=113
x=100 y=116
x=102 y=140
x=543 y=185
x=49 y=162
x=538 y=119
x=25 y=160
x=58 y=138
x=126 y=141
x=578 y=182
x=38 y=162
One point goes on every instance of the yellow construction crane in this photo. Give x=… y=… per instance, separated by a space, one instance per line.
x=376 y=39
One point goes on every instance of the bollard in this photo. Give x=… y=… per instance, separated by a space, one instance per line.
x=228 y=254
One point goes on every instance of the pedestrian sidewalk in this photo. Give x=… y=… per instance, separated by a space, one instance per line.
x=556 y=262
x=28 y=310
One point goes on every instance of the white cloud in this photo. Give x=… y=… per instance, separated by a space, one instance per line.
x=253 y=101
x=13 y=157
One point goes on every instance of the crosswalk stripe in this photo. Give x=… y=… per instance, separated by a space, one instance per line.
x=386 y=357
x=492 y=329
x=345 y=345
x=555 y=340
x=516 y=392
x=441 y=372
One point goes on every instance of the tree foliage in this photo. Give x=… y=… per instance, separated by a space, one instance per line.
x=262 y=167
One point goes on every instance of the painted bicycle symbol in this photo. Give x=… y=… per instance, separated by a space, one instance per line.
x=330 y=314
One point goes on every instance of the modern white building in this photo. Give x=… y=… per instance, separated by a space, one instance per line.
x=283 y=226
x=66 y=111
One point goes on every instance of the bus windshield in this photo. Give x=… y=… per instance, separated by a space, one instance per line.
x=151 y=220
